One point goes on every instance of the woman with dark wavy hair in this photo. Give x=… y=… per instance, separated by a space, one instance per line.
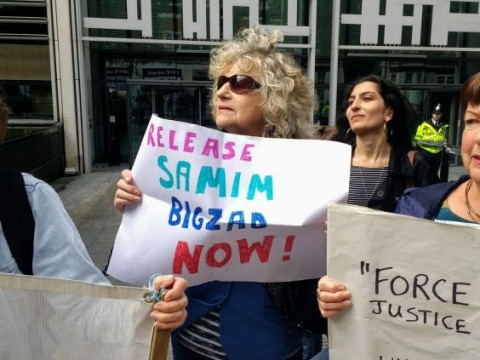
x=375 y=118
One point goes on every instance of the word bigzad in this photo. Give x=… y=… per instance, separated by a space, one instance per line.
x=197 y=217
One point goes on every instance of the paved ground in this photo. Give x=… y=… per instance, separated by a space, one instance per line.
x=455 y=172
x=89 y=201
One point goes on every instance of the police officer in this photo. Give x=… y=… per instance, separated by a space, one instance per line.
x=431 y=136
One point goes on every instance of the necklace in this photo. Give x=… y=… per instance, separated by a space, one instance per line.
x=470 y=210
x=379 y=179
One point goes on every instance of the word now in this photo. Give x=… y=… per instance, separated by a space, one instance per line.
x=220 y=254
x=187 y=142
x=216 y=179
x=183 y=215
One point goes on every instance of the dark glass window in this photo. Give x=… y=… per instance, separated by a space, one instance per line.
x=25 y=65
x=28 y=99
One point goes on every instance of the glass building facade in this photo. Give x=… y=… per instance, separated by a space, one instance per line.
x=25 y=77
x=167 y=77
x=133 y=58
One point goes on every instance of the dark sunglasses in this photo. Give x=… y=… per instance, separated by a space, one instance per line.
x=239 y=84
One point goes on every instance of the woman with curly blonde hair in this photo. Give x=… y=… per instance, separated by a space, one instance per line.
x=287 y=98
x=257 y=91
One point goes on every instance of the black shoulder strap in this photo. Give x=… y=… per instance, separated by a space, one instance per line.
x=410 y=182
x=17 y=219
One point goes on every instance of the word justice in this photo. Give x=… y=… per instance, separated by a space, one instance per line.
x=421 y=316
x=187 y=142
x=182 y=174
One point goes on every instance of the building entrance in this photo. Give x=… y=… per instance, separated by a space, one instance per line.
x=174 y=100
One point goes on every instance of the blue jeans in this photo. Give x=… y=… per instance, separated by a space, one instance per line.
x=322 y=355
x=180 y=352
x=313 y=347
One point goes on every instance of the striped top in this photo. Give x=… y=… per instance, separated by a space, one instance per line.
x=203 y=336
x=363 y=183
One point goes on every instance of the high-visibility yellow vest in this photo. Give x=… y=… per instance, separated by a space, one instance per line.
x=431 y=139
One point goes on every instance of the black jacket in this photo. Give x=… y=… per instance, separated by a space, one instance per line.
x=401 y=175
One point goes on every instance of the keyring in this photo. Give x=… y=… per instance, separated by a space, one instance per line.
x=153 y=295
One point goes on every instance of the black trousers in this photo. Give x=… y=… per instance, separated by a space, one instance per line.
x=434 y=160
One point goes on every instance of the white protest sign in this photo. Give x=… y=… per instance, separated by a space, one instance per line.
x=218 y=206
x=414 y=284
x=47 y=318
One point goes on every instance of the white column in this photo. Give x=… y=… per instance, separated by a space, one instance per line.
x=83 y=84
x=67 y=96
x=334 y=62
x=313 y=39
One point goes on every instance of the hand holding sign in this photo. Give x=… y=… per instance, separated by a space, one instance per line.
x=127 y=193
x=332 y=296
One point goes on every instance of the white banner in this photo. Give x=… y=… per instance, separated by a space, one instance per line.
x=45 y=318
x=414 y=284
x=218 y=206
